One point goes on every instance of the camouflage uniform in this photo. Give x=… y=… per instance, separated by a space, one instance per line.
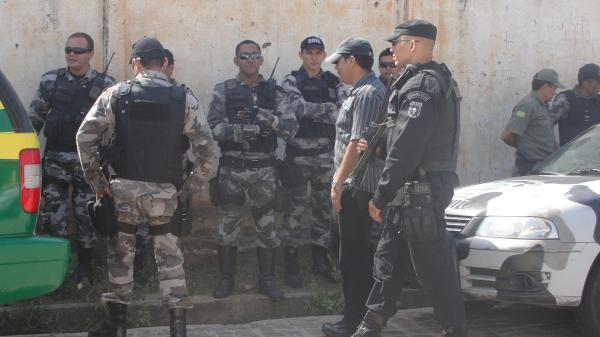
x=258 y=183
x=316 y=168
x=137 y=202
x=61 y=167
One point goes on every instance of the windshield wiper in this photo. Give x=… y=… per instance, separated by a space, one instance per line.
x=584 y=172
x=543 y=172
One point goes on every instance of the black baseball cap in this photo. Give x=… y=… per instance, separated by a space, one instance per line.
x=419 y=28
x=351 y=46
x=590 y=71
x=147 y=47
x=312 y=42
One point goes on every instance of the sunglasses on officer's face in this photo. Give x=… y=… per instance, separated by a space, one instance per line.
x=250 y=56
x=76 y=50
x=387 y=64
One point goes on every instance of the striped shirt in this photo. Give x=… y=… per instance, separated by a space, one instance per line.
x=357 y=114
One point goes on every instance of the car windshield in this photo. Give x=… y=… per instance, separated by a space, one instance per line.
x=581 y=156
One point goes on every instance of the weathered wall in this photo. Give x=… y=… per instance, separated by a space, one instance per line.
x=493 y=46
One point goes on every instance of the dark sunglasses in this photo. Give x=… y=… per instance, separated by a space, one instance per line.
x=76 y=50
x=250 y=56
x=387 y=65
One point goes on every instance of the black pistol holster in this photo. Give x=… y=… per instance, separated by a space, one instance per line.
x=414 y=217
x=102 y=215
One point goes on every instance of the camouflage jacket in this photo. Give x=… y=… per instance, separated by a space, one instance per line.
x=40 y=105
x=98 y=128
x=320 y=112
x=284 y=122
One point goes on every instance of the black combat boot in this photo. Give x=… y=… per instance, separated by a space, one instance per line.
x=84 y=264
x=177 y=326
x=266 y=276
x=139 y=280
x=455 y=332
x=227 y=260
x=371 y=325
x=292 y=269
x=341 y=328
x=116 y=323
x=321 y=265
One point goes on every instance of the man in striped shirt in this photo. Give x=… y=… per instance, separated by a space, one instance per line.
x=353 y=60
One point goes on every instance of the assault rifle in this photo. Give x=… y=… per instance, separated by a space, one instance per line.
x=378 y=128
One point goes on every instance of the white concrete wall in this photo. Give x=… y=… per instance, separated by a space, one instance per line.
x=493 y=46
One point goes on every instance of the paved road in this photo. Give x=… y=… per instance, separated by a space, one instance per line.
x=484 y=321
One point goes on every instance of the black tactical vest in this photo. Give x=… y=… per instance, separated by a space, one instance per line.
x=149 y=132
x=583 y=113
x=69 y=102
x=441 y=153
x=239 y=97
x=316 y=90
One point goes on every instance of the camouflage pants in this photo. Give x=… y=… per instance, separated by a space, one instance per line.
x=138 y=202
x=61 y=170
x=319 y=201
x=259 y=185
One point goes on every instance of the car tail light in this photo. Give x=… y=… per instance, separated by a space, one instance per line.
x=31 y=179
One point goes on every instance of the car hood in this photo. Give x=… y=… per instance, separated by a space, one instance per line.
x=528 y=196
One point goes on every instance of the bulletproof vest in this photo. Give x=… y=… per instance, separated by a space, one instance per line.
x=316 y=90
x=149 y=129
x=69 y=102
x=441 y=153
x=583 y=113
x=239 y=97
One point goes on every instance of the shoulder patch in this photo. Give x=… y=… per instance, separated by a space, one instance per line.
x=520 y=114
x=420 y=95
x=414 y=109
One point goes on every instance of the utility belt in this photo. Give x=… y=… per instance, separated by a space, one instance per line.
x=296 y=152
x=234 y=162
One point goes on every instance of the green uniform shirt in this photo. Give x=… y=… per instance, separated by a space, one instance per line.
x=530 y=122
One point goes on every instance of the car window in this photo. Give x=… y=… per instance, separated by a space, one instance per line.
x=583 y=153
x=5 y=123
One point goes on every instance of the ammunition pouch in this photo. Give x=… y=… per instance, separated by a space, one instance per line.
x=102 y=215
x=234 y=162
x=213 y=191
x=290 y=174
x=296 y=152
x=416 y=219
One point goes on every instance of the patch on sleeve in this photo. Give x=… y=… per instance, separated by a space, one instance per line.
x=520 y=114
x=414 y=109
x=420 y=95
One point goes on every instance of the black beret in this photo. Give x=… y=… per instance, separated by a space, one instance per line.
x=419 y=28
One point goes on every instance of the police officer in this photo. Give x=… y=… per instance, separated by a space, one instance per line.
x=417 y=184
x=577 y=109
x=141 y=123
x=317 y=95
x=246 y=115
x=142 y=237
x=529 y=129
x=63 y=98
x=387 y=66
x=353 y=61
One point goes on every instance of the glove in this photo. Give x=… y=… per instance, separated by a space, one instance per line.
x=267 y=117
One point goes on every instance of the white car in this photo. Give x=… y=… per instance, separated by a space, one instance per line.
x=536 y=239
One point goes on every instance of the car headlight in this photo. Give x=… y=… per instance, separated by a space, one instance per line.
x=517 y=228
